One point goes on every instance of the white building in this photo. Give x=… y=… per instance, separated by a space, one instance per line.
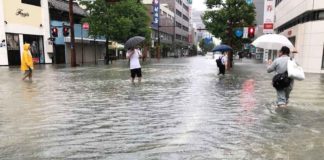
x=24 y=21
x=302 y=21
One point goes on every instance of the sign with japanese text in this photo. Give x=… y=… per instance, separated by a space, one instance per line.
x=156 y=13
x=269 y=14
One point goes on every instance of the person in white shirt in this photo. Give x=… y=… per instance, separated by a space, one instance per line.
x=134 y=56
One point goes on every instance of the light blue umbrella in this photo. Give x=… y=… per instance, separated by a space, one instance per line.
x=222 y=48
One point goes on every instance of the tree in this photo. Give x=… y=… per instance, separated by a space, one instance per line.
x=117 y=21
x=227 y=16
x=206 y=47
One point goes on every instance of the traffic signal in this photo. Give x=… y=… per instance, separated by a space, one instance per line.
x=66 y=31
x=251 y=31
x=54 y=31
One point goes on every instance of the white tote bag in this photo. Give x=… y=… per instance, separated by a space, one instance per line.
x=295 y=71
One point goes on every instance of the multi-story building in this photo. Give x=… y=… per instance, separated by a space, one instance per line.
x=181 y=8
x=174 y=25
x=302 y=21
x=24 y=21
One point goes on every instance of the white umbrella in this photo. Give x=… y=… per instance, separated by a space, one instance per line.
x=272 y=41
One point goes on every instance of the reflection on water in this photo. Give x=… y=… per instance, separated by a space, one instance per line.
x=182 y=110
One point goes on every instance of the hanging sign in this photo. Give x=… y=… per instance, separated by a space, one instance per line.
x=156 y=13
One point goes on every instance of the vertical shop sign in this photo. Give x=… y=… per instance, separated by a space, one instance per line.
x=156 y=13
x=268 y=20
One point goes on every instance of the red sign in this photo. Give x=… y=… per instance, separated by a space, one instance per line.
x=85 y=26
x=268 y=26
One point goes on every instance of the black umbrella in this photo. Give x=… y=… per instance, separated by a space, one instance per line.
x=134 y=41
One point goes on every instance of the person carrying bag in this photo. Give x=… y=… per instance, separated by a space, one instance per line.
x=294 y=70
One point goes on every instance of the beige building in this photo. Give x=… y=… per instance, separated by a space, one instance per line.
x=24 y=21
x=302 y=21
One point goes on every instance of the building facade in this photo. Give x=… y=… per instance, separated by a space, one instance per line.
x=24 y=21
x=174 y=26
x=302 y=21
x=89 y=50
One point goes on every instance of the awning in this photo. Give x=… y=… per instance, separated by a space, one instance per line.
x=64 y=6
x=85 y=40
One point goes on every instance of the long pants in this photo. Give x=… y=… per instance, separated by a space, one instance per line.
x=222 y=69
x=283 y=95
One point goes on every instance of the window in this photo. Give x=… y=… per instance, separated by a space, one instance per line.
x=185 y=28
x=277 y=2
x=323 y=59
x=302 y=18
x=178 y=25
x=32 y=2
x=185 y=18
x=186 y=7
x=178 y=13
x=178 y=37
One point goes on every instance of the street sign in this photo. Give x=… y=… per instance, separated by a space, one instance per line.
x=245 y=32
x=85 y=26
x=249 y=2
x=239 y=32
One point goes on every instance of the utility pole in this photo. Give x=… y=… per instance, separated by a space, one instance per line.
x=72 y=45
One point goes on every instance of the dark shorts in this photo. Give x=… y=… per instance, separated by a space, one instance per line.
x=136 y=72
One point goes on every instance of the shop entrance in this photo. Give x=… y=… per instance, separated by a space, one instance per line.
x=36 y=47
x=13 y=49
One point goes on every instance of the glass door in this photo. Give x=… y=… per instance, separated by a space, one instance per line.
x=13 y=49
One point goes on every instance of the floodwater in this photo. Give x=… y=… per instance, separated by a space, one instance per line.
x=182 y=110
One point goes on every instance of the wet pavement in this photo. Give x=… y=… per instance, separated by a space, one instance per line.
x=182 y=110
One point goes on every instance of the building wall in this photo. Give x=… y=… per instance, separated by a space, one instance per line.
x=35 y=23
x=309 y=36
x=259 y=9
x=289 y=9
x=91 y=53
x=77 y=31
x=3 y=49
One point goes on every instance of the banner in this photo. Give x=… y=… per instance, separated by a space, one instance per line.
x=156 y=13
x=269 y=14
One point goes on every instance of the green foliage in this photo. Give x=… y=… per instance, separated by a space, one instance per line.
x=206 y=47
x=226 y=16
x=117 y=21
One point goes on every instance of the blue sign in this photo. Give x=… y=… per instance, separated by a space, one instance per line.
x=249 y=1
x=208 y=40
x=239 y=32
x=156 y=13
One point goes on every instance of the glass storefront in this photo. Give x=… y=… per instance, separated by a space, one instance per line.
x=36 y=47
x=13 y=49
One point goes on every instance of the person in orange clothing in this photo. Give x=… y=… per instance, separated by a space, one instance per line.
x=27 y=62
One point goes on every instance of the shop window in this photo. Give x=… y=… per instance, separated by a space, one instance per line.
x=32 y=2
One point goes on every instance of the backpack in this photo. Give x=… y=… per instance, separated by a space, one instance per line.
x=219 y=62
x=281 y=81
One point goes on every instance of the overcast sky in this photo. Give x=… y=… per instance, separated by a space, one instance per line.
x=198 y=8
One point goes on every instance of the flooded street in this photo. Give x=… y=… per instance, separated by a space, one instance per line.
x=182 y=110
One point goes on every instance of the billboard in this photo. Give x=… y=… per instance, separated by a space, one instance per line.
x=269 y=14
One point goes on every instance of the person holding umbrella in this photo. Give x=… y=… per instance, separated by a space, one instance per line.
x=222 y=63
x=134 y=56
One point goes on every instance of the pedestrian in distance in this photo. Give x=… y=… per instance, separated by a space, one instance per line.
x=27 y=62
x=279 y=66
x=134 y=56
x=222 y=63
